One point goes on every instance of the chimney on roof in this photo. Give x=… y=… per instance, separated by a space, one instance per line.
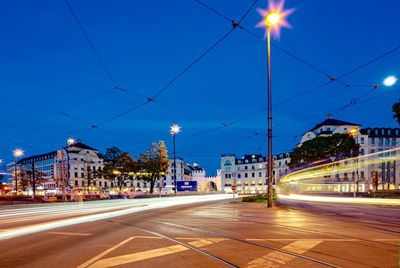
x=329 y=116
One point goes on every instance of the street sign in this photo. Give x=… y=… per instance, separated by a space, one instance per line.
x=186 y=186
x=233 y=187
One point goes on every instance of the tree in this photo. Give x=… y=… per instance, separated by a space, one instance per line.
x=119 y=167
x=396 y=111
x=334 y=147
x=153 y=163
x=32 y=179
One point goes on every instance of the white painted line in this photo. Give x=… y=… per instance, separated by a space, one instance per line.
x=278 y=259
x=71 y=234
x=94 y=259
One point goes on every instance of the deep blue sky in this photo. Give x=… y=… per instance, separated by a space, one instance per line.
x=47 y=63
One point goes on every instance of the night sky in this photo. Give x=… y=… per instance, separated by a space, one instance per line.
x=50 y=75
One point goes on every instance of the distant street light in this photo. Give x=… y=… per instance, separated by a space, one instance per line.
x=174 y=130
x=273 y=20
x=390 y=81
x=354 y=132
x=70 y=141
x=16 y=153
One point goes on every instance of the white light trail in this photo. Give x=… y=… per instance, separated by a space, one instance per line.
x=347 y=200
x=137 y=206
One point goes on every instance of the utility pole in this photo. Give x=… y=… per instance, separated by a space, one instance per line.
x=33 y=179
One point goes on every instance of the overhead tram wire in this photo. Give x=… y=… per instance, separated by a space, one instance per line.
x=187 y=68
x=148 y=99
x=355 y=69
x=91 y=44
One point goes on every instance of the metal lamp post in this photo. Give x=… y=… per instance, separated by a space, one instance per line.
x=174 y=130
x=354 y=131
x=273 y=19
x=16 y=153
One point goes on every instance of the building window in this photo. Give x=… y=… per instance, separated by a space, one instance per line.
x=387 y=141
x=362 y=174
x=76 y=182
x=245 y=167
x=82 y=183
x=246 y=161
x=252 y=175
x=372 y=140
x=362 y=151
x=99 y=183
x=76 y=174
x=394 y=141
x=245 y=175
x=259 y=174
x=228 y=163
x=362 y=140
x=239 y=175
x=82 y=175
x=380 y=142
x=252 y=167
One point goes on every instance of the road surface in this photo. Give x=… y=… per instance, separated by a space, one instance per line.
x=212 y=232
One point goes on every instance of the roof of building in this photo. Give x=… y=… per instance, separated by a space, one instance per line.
x=381 y=132
x=81 y=146
x=330 y=121
x=37 y=157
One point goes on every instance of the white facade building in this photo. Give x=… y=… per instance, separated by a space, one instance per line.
x=356 y=174
x=249 y=173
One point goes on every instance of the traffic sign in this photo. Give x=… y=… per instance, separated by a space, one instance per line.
x=233 y=187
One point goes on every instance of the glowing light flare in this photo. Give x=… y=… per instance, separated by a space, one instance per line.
x=18 y=153
x=175 y=129
x=390 y=81
x=274 y=17
x=353 y=131
x=70 y=141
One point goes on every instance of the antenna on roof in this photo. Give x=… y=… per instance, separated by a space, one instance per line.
x=330 y=116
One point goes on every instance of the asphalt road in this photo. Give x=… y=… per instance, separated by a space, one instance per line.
x=207 y=233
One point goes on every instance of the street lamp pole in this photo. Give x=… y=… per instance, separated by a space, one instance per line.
x=175 y=129
x=270 y=159
x=273 y=19
x=173 y=137
x=16 y=153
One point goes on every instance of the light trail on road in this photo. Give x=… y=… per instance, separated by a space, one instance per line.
x=347 y=200
x=95 y=211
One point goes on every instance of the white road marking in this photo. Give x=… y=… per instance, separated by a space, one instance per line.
x=68 y=233
x=278 y=259
x=92 y=260
x=144 y=255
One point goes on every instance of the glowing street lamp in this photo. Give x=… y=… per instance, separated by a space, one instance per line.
x=16 y=153
x=174 y=130
x=354 y=131
x=273 y=20
x=390 y=81
x=70 y=141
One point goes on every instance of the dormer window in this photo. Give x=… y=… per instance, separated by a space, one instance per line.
x=246 y=161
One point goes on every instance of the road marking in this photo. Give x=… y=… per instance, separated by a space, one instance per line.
x=149 y=254
x=92 y=260
x=306 y=239
x=120 y=260
x=277 y=259
x=72 y=234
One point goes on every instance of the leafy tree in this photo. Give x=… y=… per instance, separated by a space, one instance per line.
x=396 y=111
x=27 y=179
x=153 y=163
x=119 y=167
x=334 y=147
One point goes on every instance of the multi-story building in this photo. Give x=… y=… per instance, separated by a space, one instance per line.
x=249 y=173
x=356 y=174
x=71 y=168
x=76 y=166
